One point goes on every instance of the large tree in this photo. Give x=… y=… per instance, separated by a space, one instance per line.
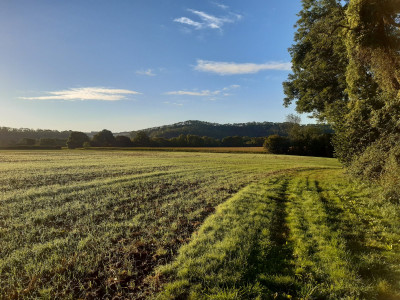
x=346 y=70
x=318 y=80
x=373 y=47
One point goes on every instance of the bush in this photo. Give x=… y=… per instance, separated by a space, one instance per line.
x=380 y=163
x=277 y=144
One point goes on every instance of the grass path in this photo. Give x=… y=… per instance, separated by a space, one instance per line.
x=304 y=235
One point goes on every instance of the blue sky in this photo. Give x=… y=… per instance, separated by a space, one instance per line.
x=132 y=64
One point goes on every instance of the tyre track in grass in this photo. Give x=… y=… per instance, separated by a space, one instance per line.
x=274 y=268
x=240 y=252
x=288 y=237
x=323 y=264
x=370 y=234
x=347 y=258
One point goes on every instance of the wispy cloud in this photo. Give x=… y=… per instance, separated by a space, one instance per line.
x=208 y=21
x=148 y=72
x=173 y=103
x=87 y=93
x=232 y=68
x=187 y=21
x=205 y=93
x=231 y=87
x=193 y=93
x=222 y=6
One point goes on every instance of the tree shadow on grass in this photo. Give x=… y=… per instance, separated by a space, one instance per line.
x=368 y=260
x=271 y=265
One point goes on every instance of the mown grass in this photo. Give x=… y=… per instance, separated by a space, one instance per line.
x=238 y=252
x=304 y=235
x=95 y=224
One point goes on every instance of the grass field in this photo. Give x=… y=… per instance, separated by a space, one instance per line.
x=177 y=225
x=187 y=149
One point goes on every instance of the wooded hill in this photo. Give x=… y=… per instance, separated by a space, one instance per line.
x=219 y=131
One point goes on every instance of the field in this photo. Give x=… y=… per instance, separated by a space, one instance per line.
x=176 y=225
x=188 y=149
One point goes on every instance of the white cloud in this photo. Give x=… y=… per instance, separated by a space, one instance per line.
x=232 y=68
x=193 y=93
x=205 y=93
x=222 y=6
x=148 y=72
x=173 y=103
x=231 y=87
x=187 y=21
x=87 y=93
x=207 y=20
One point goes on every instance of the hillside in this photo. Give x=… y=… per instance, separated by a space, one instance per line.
x=219 y=131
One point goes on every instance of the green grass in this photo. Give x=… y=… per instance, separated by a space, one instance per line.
x=304 y=235
x=89 y=224
x=186 y=225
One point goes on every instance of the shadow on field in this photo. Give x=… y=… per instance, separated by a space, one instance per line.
x=366 y=259
x=272 y=266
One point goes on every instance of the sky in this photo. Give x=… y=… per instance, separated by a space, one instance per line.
x=126 y=65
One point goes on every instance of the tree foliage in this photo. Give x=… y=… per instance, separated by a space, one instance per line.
x=141 y=139
x=11 y=136
x=219 y=131
x=76 y=139
x=123 y=141
x=317 y=83
x=276 y=144
x=104 y=138
x=346 y=70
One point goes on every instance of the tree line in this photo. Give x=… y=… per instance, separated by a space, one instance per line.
x=28 y=137
x=346 y=71
x=302 y=140
x=105 y=138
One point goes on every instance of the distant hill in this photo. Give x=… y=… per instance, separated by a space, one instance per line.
x=219 y=131
x=11 y=136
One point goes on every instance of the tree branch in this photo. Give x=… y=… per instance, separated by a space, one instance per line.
x=389 y=20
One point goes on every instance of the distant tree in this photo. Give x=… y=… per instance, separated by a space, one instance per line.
x=48 y=142
x=276 y=144
x=123 y=141
x=293 y=119
x=210 y=142
x=27 y=142
x=160 y=142
x=194 y=141
x=77 y=139
x=255 y=142
x=104 y=138
x=141 y=139
x=179 y=141
x=232 y=141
